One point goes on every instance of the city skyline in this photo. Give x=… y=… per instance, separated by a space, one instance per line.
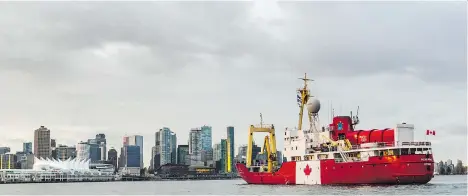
x=90 y=70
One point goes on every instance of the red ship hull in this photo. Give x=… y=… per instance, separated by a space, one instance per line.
x=406 y=169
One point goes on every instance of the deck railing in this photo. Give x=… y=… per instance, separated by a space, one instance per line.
x=392 y=144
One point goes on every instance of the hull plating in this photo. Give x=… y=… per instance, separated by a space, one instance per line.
x=407 y=169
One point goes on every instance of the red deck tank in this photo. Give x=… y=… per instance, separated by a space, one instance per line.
x=342 y=127
x=371 y=136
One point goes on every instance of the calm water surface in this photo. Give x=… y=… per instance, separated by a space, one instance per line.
x=440 y=185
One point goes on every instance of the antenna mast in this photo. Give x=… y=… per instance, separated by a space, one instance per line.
x=303 y=97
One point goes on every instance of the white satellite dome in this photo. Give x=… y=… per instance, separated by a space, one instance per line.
x=313 y=105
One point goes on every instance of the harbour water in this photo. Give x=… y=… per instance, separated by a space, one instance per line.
x=440 y=185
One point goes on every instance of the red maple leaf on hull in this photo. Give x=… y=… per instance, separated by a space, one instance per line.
x=307 y=170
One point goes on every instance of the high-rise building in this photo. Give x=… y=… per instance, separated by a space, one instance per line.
x=53 y=144
x=4 y=150
x=133 y=156
x=182 y=153
x=8 y=161
x=125 y=140
x=223 y=159
x=42 y=142
x=156 y=150
x=195 y=147
x=25 y=161
x=206 y=139
x=112 y=157
x=165 y=149
x=217 y=152
x=65 y=152
x=102 y=142
x=173 y=148
x=83 y=151
x=137 y=140
x=231 y=144
x=27 y=147
x=95 y=153
x=155 y=161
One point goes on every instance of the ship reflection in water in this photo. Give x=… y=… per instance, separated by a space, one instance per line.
x=452 y=185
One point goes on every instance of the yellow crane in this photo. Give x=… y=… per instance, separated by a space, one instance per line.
x=269 y=144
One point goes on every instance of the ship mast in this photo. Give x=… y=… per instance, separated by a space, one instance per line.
x=303 y=97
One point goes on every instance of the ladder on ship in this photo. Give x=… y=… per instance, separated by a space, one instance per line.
x=343 y=154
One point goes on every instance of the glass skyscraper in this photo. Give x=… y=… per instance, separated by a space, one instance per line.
x=166 y=146
x=137 y=140
x=133 y=156
x=223 y=156
x=206 y=138
x=27 y=147
x=173 y=148
x=230 y=137
x=206 y=143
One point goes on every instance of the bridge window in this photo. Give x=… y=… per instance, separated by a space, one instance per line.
x=404 y=151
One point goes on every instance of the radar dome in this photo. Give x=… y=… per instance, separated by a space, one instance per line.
x=313 y=105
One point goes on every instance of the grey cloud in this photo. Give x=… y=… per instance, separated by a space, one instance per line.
x=333 y=39
x=339 y=39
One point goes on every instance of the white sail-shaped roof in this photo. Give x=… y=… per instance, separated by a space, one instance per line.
x=53 y=164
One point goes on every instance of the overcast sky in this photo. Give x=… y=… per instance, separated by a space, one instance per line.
x=131 y=68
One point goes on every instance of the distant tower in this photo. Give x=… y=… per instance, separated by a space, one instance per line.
x=42 y=142
x=230 y=147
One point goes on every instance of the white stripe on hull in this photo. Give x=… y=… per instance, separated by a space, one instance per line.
x=308 y=172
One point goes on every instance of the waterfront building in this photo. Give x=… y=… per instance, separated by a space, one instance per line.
x=206 y=137
x=8 y=161
x=112 y=157
x=217 y=152
x=223 y=159
x=42 y=142
x=173 y=148
x=102 y=142
x=65 y=152
x=165 y=149
x=166 y=144
x=155 y=158
x=25 y=161
x=27 y=148
x=69 y=164
x=125 y=141
x=137 y=140
x=51 y=170
x=231 y=144
x=133 y=158
x=83 y=151
x=156 y=151
x=195 y=147
x=4 y=150
x=53 y=144
x=182 y=154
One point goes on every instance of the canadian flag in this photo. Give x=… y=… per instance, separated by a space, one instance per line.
x=429 y=132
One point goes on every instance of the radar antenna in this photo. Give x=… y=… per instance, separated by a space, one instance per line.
x=355 y=118
x=303 y=97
